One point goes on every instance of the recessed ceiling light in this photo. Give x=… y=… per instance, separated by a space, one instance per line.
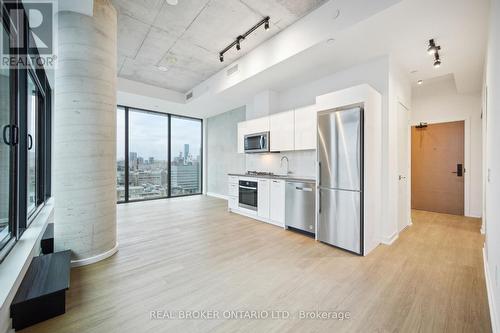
x=171 y=60
x=420 y=82
x=330 y=40
x=414 y=71
x=162 y=68
x=172 y=2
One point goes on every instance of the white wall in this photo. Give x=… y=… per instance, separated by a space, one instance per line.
x=438 y=101
x=492 y=161
x=399 y=93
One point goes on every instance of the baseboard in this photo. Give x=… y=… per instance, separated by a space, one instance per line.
x=389 y=240
x=217 y=195
x=476 y=215
x=495 y=325
x=94 y=259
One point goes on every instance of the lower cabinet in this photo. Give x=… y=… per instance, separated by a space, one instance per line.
x=263 y=192
x=270 y=200
x=232 y=191
x=277 y=202
x=233 y=203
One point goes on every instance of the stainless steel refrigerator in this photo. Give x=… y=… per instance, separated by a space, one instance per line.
x=340 y=179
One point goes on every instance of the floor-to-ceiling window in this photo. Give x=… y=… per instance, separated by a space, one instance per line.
x=120 y=154
x=159 y=155
x=148 y=155
x=186 y=156
x=25 y=126
x=6 y=231
x=31 y=97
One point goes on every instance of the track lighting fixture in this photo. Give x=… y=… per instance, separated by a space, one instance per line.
x=433 y=48
x=420 y=82
x=437 y=60
x=237 y=42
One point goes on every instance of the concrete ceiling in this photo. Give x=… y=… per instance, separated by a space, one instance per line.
x=187 y=38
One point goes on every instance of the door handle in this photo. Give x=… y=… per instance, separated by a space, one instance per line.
x=30 y=142
x=6 y=139
x=11 y=138
x=460 y=170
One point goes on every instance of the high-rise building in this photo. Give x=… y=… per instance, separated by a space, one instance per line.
x=186 y=151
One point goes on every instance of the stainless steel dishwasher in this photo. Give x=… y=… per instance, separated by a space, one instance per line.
x=300 y=206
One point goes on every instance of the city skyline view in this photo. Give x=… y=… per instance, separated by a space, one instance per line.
x=155 y=143
x=148 y=171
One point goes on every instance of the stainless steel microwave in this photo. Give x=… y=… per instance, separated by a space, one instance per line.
x=257 y=143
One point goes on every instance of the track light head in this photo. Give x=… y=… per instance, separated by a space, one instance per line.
x=433 y=48
x=437 y=60
x=221 y=57
x=266 y=25
x=238 y=42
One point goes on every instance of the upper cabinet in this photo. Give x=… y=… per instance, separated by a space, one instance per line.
x=305 y=127
x=289 y=130
x=282 y=131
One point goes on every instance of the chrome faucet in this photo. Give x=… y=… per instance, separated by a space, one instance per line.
x=287 y=164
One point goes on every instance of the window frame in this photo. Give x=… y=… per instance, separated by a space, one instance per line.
x=19 y=217
x=169 y=116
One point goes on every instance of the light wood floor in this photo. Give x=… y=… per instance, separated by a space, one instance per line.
x=191 y=254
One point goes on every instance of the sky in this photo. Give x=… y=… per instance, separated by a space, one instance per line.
x=148 y=135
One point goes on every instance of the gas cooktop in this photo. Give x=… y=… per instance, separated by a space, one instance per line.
x=259 y=173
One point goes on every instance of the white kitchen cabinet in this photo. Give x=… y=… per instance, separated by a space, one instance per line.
x=305 y=127
x=257 y=125
x=281 y=126
x=233 y=190
x=232 y=203
x=263 y=191
x=277 y=202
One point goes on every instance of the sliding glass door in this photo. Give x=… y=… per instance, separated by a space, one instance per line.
x=158 y=155
x=6 y=160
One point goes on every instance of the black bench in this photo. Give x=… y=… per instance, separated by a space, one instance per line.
x=42 y=293
x=47 y=242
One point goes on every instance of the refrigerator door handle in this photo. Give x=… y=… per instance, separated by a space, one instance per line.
x=319 y=173
x=319 y=202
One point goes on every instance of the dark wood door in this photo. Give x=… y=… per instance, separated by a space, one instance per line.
x=437 y=168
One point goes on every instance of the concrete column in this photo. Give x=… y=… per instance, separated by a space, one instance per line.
x=84 y=174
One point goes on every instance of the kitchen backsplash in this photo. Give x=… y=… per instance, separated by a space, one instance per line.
x=302 y=163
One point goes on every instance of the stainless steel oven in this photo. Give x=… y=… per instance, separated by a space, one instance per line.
x=257 y=143
x=247 y=196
